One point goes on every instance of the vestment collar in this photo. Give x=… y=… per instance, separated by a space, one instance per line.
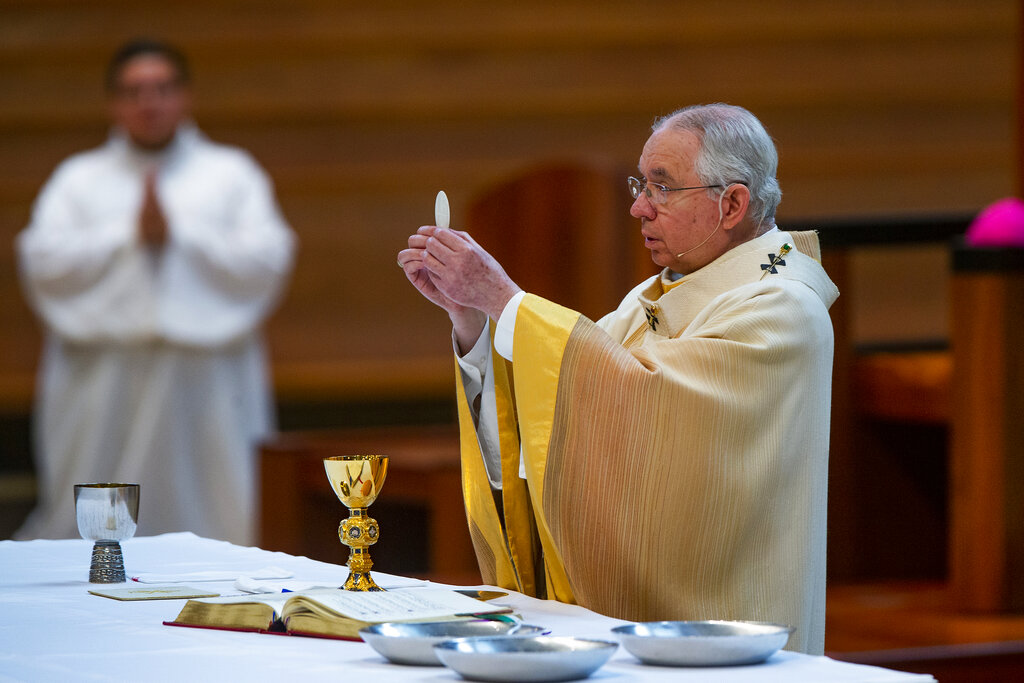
x=670 y=305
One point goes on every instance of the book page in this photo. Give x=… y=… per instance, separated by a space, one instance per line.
x=395 y=605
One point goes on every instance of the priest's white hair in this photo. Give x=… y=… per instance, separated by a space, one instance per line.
x=735 y=148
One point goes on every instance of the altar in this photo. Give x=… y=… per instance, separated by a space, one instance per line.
x=54 y=630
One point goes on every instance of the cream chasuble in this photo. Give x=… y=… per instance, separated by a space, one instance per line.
x=676 y=452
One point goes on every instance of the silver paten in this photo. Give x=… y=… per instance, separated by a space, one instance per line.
x=413 y=642
x=703 y=643
x=538 y=658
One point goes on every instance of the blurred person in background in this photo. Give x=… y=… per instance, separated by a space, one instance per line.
x=152 y=262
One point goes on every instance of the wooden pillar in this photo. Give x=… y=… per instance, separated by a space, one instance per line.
x=845 y=538
x=987 y=469
x=1020 y=100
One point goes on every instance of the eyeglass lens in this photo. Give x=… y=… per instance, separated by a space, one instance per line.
x=654 y=192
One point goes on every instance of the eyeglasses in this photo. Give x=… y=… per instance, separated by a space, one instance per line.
x=656 y=192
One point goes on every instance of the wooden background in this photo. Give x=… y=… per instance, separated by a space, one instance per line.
x=362 y=111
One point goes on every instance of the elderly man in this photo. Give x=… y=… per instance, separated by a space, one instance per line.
x=152 y=261
x=669 y=461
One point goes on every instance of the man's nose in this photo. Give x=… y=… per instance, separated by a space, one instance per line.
x=642 y=207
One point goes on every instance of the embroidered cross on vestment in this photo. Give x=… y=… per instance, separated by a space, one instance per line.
x=652 y=319
x=774 y=260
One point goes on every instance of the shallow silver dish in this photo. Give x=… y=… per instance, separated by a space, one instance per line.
x=413 y=643
x=702 y=643
x=538 y=658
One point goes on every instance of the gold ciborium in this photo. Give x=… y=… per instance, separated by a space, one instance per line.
x=356 y=480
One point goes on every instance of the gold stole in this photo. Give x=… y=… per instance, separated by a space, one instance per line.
x=505 y=544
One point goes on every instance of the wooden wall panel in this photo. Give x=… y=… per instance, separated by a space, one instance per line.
x=362 y=111
x=986 y=549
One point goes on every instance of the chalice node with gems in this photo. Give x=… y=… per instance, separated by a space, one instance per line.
x=107 y=514
x=356 y=480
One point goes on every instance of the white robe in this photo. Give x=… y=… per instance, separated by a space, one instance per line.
x=153 y=370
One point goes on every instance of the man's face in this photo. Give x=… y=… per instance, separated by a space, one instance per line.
x=688 y=217
x=149 y=101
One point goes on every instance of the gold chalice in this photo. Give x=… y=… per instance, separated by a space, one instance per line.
x=356 y=480
x=106 y=514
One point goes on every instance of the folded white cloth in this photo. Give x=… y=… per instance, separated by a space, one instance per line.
x=249 y=584
x=189 y=577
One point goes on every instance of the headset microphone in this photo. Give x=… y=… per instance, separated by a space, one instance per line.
x=720 y=197
x=680 y=255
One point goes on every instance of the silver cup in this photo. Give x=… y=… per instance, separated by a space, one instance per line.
x=107 y=514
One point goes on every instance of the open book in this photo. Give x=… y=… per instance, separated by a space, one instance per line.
x=330 y=612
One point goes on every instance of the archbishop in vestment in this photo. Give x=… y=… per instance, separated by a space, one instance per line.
x=670 y=460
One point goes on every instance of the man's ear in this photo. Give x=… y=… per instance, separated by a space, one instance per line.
x=735 y=202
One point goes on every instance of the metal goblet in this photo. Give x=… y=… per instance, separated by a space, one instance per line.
x=107 y=514
x=356 y=480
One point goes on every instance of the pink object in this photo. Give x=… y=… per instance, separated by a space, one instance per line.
x=998 y=225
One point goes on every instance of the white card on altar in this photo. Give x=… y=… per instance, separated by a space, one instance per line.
x=152 y=593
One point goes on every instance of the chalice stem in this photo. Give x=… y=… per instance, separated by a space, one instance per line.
x=359 y=532
x=107 y=563
x=359 y=578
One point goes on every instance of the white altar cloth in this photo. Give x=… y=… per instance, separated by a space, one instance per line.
x=52 y=629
